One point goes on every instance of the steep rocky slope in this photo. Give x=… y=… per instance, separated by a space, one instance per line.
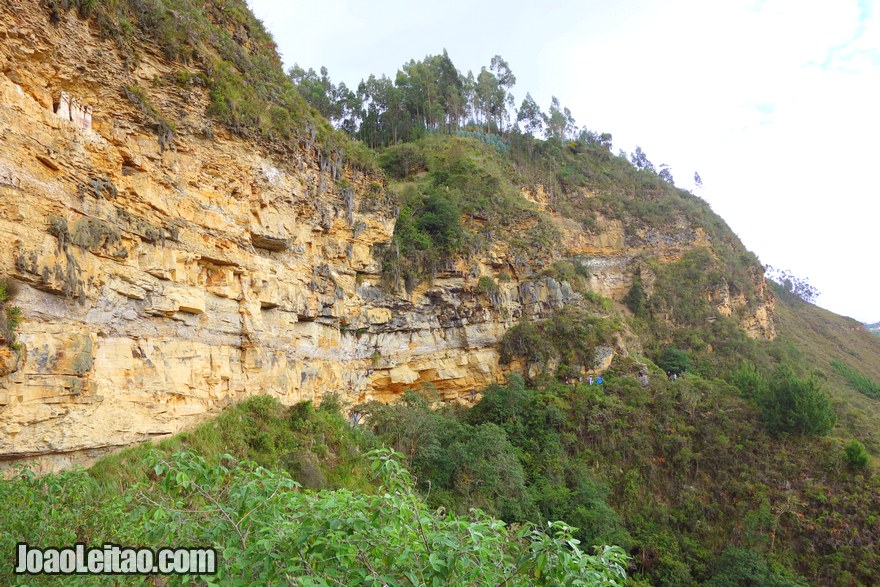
x=167 y=267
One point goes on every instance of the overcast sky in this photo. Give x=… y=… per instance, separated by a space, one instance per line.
x=775 y=103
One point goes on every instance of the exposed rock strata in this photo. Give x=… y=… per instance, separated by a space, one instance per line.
x=159 y=284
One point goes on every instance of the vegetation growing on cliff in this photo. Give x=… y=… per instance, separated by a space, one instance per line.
x=569 y=339
x=236 y=60
x=10 y=315
x=457 y=198
x=437 y=128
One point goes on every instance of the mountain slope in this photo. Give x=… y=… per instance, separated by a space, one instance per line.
x=172 y=256
x=183 y=232
x=816 y=338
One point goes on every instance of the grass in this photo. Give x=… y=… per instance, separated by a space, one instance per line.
x=315 y=445
x=856 y=380
x=814 y=339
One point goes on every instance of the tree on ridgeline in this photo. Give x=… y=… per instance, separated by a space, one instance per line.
x=792 y=284
x=490 y=100
x=559 y=121
x=506 y=81
x=530 y=116
x=640 y=160
x=381 y=119
x=432 y=96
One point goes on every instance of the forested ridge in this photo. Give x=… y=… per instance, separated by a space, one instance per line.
x=432 y=95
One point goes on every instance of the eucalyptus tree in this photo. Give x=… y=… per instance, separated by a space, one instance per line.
x=506 y=81
x=640 y=160
x=530 y=116
x=557 y=121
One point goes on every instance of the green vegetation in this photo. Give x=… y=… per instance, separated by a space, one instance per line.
x=426 y=96
x=430 y=113
x=238 y=67
x=674 y=360
x=856 y=456
x=668 y=472
x=505 y=456
x=740 y=567
x=810 y=340
x=858 y=381
x=456 y=196
x=750 y=381
x=314 y=446
x=428 y=231
x=568 y=339
x=10 y=316
x=268 y=529
x=635 y=299
x=797 y=405
x=681 y=327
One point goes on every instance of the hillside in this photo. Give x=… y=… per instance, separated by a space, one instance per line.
x=173 y=254
x=816 y=339
x=186 y=229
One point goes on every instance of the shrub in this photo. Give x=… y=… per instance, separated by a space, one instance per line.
x=428 y=231
x=855 y=456
x=798 y=406
x=674 y=359
x=268 y=529
x=741 y=567
x=10 y=316
x=403 y=160
x=452 y=458
x=271 y=531
x=523 y=340
x=636 y=300
x=440 y=219
x=488 y=287
x=570 y=336
x=751 y=383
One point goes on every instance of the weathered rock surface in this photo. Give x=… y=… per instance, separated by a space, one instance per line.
x=160 y=283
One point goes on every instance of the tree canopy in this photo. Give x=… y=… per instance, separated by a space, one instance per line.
x=432 y=95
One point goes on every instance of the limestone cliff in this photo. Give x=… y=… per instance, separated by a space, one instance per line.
x=163 y=275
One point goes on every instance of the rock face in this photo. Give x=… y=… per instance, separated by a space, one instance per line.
x=161 y=281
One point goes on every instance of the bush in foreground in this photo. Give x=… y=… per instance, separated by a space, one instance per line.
x=269 y=531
